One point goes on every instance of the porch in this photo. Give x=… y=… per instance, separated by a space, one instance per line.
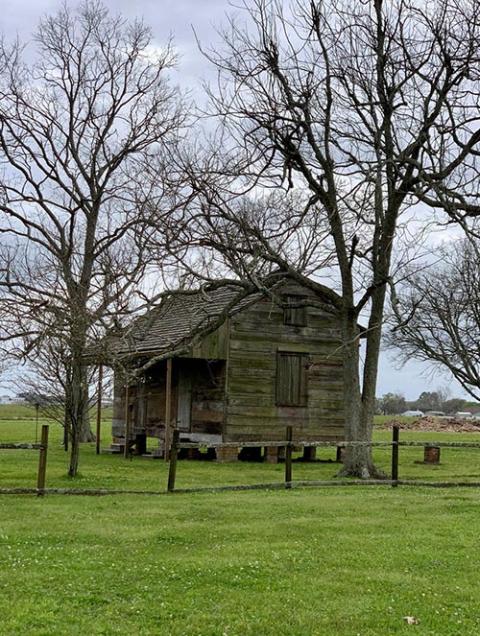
x=183 y=393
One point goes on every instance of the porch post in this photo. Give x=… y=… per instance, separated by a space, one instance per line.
x=126 y=450
x=99 y=408
x=168 y=408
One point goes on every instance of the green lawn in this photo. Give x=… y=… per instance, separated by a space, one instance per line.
x=341 y=561
x=16 y=411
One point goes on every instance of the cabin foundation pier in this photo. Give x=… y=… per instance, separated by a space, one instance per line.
x=271 y=454
x=225 y=455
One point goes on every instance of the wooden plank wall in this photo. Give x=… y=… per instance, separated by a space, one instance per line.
x=256 y=334
x=213 y=346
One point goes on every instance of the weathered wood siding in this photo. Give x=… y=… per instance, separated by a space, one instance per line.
x=256 y=336
x=214 y=346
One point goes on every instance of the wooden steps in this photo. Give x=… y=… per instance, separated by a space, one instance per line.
x=114 y=449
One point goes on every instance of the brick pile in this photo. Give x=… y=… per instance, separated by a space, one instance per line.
x=435 y=424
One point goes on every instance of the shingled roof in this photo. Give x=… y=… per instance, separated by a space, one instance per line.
x=176 y=321
x=181 y=316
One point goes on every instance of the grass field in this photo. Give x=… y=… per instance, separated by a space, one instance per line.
x=340 y=561
x=12 y=412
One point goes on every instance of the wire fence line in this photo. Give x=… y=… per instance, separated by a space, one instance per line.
x=289 y=444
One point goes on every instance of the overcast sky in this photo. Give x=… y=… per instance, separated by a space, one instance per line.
x=178 y=18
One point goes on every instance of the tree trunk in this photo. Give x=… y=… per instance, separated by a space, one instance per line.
x=74 y=453
x=358 y=461
x=76 y=409
x=66 y=429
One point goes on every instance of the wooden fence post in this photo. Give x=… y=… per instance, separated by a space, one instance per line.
x=395 y=439
x=172 y=469
x=288 y=458
x=42 y=461
x=168 y=407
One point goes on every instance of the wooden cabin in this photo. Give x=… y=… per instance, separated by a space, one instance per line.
x=224 y=367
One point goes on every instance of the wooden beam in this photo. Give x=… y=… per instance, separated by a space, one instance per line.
x=168 y=407
x=126 y=450
x=99 y=409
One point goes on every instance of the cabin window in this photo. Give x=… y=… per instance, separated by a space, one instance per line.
x=295 y=312
x=292 y=375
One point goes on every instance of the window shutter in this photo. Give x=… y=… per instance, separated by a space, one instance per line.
x=295 y=313
x=292 y=376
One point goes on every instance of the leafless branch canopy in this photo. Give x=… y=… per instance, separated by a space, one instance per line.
x=76 y=129
x=436 y=315
x=333 y=119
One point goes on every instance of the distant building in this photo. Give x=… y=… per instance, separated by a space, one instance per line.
x=413 y=413
x=463 y=415
x=435 y=413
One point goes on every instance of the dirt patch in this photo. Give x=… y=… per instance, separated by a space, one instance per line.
x=435 y=425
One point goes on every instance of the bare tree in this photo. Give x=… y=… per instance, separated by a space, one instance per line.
x=359 y=111
x=392 y=404
x=44 y=379
x=76 y=127
x=42 y=367
x=437 y=315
